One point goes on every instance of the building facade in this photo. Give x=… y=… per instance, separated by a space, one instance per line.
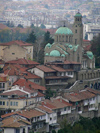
x=68 y=45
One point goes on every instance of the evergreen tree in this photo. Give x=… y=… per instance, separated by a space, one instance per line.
x=31 y=38
x=95 y=48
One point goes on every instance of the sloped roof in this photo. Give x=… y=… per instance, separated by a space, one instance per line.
x=22 y=61
x=15 y=122
x=28 y=84
x=45 y=68
x=19 y=42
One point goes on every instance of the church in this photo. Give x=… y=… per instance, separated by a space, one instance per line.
x=68 y=45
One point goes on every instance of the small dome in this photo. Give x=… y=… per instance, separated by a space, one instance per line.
x=55 y=53
x=47 y=54
x=78 y=14
x=90 y=54
x=63 y=30
x=48 y=45
x=63 y=55
x=70 y=46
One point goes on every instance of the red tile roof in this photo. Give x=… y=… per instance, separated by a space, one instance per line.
x=55 y=103
x=22 y=61
x=12 y=69
x=45 y=68
x=18 y=42
x=28 y=84
x=82 y=95
x=29 y=113
x=29 y=75
x=43 y=108
x=59 y=69
x=14 y=122
x=3 y=78
x=14 y=92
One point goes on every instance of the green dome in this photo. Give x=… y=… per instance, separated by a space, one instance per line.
x=47 y=54
x=78 y=14
x=48 y=45
x=70 y=46
x=63 y=30
x=55 y=53
x=90 y=54
x=63 y=55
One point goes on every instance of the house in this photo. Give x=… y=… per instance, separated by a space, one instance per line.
x=60 y=106
x=30 y=85
x=57 y=75
x=15 y=124
x=22 y=62
x=36 y=117
x=85 y=103
x=4 y=81
x=18 y=98
x=16 y=49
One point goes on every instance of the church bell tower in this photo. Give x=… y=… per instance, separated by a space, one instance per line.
x=77 y=29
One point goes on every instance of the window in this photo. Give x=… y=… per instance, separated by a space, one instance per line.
x=16 y=103
x=13 y=53
x=64 y=109
x=17 y=130
x=3 y=85
x=10 y=103
x=75 y=31
x=75 y=41
x=0 y=85
x=0 y=102
x=7 y=103
x=3 y=102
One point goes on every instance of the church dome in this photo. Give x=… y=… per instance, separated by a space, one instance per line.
x=63 y=30
x=55 y=53
x=78 y=14
x=48 y=45
x=90 y=54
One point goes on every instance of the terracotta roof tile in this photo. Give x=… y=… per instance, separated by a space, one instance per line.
x=28 y=84
x=15 y=122
x=19 y=42
x=54 y=104
x=25 y=113
x=45 y=109
x=82 y=95
x=45 y=68
x=31 y=76
x=13 y=92
x=22 y=61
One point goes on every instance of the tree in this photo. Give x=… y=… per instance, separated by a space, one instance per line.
x=49 y=93
x=31 y=38
x=95 y=48
x=47 y=39
x=42 y=26
x=10 y=24
x=20 y=26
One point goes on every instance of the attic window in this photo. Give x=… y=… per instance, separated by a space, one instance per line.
x=13 y=53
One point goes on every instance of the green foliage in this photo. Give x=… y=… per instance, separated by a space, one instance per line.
x=84 y=125
x=49 y=93
x=47 y=39
x=53 y=131
x=42 y=26
x=31 y=38
x=95 y=48
x=10 y=24
x=20 y=26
